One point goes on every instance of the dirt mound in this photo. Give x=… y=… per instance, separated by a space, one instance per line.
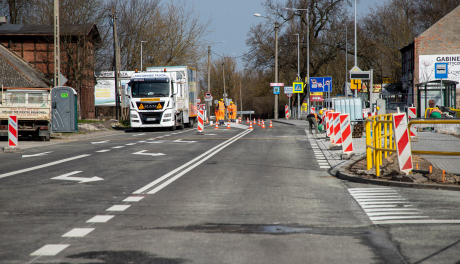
x=389 y=170
x=99 y=126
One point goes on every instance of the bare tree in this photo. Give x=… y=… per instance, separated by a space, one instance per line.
x=14 y=9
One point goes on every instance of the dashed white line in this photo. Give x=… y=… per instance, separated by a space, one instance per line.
x=130 y=144
x=133 y=199
x=100 y=219
x=78 y=232
x=118 y=208
x=50 y=250
x=104 y=150
x=117 y=147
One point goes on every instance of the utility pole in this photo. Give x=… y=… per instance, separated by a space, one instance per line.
x=208 y=105
x=116 y=63
x=346 y=61
x=57 y=47
x=276 y=68
x=241 y=99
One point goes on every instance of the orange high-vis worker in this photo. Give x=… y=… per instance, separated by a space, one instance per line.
x=216 y=111
x=233 y=110
x=221 y=109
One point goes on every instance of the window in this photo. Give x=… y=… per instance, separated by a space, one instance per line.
x=35 y=98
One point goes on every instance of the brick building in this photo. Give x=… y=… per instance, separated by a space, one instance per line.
x=439 y=43
x=34 y=43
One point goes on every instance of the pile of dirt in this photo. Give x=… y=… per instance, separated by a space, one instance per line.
x=389 y=170
x=99 y=126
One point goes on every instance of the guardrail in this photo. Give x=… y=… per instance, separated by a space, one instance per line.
x=380 y=139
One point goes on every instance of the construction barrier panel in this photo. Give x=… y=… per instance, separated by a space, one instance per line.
x=345 y=127
x=12 y=131
x=402 y=143
x=337 y=135
x=200 y=120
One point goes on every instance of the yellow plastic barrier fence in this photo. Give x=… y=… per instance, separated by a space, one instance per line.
x=379 y=140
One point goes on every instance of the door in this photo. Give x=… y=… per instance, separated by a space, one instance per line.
x=63 y=109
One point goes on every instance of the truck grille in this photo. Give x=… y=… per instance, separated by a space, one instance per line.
x=145 y=116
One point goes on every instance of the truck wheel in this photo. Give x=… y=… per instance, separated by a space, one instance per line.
x=174 y=126
x=181 y=127
x=191 y=123
x=41 y=138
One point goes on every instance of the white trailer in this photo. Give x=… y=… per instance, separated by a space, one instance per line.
x=163 y=97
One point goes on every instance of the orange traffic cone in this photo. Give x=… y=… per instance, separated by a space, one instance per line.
x=263 y=124
x=250 y=126
x=271 y=125
x=254 y=121
x=228 y=124
x=258 y=122
x=207 y=120
x=217 y=126
x=247 y=121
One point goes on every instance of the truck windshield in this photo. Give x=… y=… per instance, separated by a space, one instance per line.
x=150 y=89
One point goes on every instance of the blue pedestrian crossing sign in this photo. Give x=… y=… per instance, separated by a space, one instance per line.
x=276 y=90
x=297 y=87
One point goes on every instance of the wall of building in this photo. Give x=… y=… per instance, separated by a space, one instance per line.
x=38 y=51
x=443 y=38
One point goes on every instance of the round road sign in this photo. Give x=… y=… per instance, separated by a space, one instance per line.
x=207 y=95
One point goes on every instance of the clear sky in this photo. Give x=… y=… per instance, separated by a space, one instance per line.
x=232 y=19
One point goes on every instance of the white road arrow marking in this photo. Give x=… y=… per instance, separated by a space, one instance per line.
x=139 y=135
x=80 y=179
x=36 y=155
x=151 y=154
x=180 y=141
x=100 y=142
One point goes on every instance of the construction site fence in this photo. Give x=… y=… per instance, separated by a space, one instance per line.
x=433 y=137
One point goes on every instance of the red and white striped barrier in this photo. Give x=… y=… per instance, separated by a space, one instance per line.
x=412 y=113
x=286 y=111
x=247 y=120
x=403 y=148
x=345 y=129
x=12 y=131
x=200 y=121
x=328 y=122
x=312 y=110
x=337 y=132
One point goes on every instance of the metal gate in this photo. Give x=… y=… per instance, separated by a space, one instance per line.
x=64 y=109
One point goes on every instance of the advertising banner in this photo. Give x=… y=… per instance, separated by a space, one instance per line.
x=104 y=90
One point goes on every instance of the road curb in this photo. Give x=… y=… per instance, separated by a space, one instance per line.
x=281 y=121
x=341 y=174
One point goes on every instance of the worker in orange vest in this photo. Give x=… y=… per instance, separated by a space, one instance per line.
x=221 y=111
x=313 y=120
x=233 y=111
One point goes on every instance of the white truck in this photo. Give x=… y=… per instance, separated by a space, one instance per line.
x=33 y=109
x=163 y=97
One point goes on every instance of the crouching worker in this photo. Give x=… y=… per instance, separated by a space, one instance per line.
x=313 y=120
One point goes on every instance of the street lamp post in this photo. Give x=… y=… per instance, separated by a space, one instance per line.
x=308 y=61
x=142 y=41
x=346 y=61
x=276 y=60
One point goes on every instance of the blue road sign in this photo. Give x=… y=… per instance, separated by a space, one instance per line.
x=298 y=87
x=440 y=70
x=320 y=84
x=276 y=90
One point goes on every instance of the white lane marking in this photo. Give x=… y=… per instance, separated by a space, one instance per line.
x=49 y=250
x=142 y=141
x=323 y=163
x=196 y=161
x=42 y=166
x=78 y=232
x=148 y=154
x=387 y=202
x=155 y=142
x=210 y=134
x=133 y=199
x=66 y=177
x=325 y=167
x=139 y=135
x=118 y=208
x=180 y=141
x=104 y=150
x=370 y=189
x=117 y=147
x=167 y=135
x=379 y=218
x=380 y=199
x=392 y=213
x=419 y=221
x=382 y=206
x=130 y=144
x=391 y=209
x=100 y=219
x=100 y=142
x=36 y=155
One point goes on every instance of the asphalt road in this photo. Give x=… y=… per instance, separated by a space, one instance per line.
x=229 y=196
